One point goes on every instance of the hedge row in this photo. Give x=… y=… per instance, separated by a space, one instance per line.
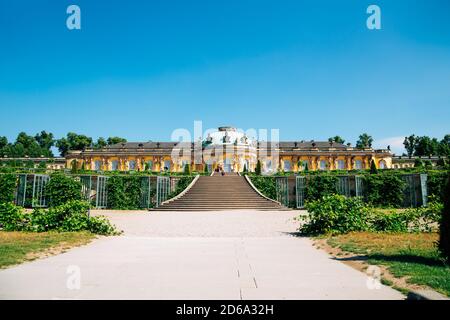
x=381 y=190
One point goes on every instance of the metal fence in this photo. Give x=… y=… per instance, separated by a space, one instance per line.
x=162 y=189
x=415 y=192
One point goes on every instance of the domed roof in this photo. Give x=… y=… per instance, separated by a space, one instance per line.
x=226 y=135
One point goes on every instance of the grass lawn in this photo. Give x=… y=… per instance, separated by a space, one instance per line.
x=17 y=247
x=410 y=255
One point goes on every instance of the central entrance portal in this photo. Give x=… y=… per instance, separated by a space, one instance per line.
x=227 y=165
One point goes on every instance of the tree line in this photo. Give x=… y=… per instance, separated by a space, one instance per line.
x=414 y=145
x=41 y=144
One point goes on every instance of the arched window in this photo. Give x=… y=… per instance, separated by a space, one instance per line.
x=341 y=164
x=166 y=165
x=268 y=165
x=358 y=164
x=287 y=165
x=114 y=165
x=323 y=165
x=97 y=165
x=132 y=165
x=382 y=164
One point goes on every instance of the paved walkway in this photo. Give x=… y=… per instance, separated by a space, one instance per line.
x=193 y=255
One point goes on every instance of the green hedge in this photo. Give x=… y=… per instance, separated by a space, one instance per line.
x=8 y=184
x=124 y=192
x=61 y=189
x=266 y=185
x=384 y=190
x=436 y=185
x=319 y=186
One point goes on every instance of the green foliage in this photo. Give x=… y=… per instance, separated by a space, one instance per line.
x=70 y=216
x=115 y=140
x=444 y=240
x=182 y=184
x=258 y=168
x=73 y=141
x=365 y=141
x=245 y=168
x=385 y=190
x=436 y=184
x=373 y=167
x=338 y=214
x=266 y=185
x=61 y=189
x=335 y=214
x=418 y=163
x=187 y=169
x=336 y=139
x=319 y=186
x=11 y=217
x=26 y=145
x=124 y=192
x=206 y=168
x=7 y=187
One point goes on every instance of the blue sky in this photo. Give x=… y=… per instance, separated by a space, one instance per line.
x=310 y=68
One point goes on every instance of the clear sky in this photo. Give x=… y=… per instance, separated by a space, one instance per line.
x=140 y=69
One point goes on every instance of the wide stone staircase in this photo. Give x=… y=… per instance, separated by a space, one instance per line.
x=217 y=192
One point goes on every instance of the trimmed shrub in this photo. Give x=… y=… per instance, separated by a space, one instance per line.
x=384 y=190
x=335 y=214
x=444 y=239
x=7 y=187
x=319 y=186
x=187 y=169
x=61 y=189
x=258 y=168
x=373 y=168
x=124 y=192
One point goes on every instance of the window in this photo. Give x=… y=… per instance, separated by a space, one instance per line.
x=287 y=165
x=268 y=165
x=323 y=165
x=97 y=165
x=166 y=165
x=382 y=164
x=114 y=165
x=305 y=165
x=358 y=164
x=341 y=164
x=132 y=165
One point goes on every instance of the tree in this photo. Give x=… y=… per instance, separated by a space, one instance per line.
x=426 y=146
x=444 y=146
x=101 y=142
x=245 y=168
x=336 y=139
x=115 y=140
x=365 y=141
x=206 y=168
x=410 y=144
x=3 y=142
x=258 y=168
x=73 y=141
x=45 y=140
x=373 y=167
x=187 y=170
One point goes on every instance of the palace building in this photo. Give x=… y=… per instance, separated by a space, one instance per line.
x=231 y=151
